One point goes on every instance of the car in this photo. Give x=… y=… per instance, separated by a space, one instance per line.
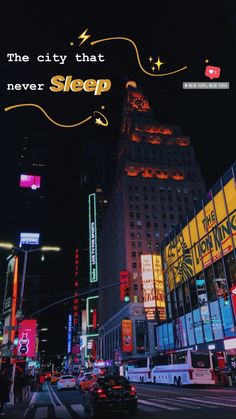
x=55 y=377
x=66 y=381
x=81 y=376
x=110 y=393
x=86 y=382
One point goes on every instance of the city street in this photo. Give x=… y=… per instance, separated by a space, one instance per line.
x=163 y=402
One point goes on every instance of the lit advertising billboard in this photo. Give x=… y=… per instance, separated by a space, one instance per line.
x=209 y=235
x=29 y=238
x=27 y=338
x=30 y=181
x=69 y=334
x=127 y=335
x=153 y=287
x=93 y=268
x=148 y=287
x=7 y=304
x=159 y=286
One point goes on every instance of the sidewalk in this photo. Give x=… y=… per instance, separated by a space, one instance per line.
x=17 y=411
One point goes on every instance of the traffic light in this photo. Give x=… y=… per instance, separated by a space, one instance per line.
x=125 y=286
x=127 y=298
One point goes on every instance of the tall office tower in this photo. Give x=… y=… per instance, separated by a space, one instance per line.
x=157 y=182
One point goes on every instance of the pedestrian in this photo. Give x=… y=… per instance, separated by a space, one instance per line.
x=4 y=391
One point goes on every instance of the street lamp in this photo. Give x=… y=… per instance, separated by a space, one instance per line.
x=19 y=314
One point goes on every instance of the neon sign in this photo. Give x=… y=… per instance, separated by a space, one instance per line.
x=93 y=273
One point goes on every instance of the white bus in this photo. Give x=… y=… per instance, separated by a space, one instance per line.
x=138 y=371
x=183 y=367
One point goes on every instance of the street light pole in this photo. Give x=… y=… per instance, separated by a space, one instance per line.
x=21 y=299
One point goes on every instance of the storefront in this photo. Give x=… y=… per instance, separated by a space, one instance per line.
x=199 y=263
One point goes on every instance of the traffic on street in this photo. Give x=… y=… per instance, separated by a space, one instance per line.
x=155 y=401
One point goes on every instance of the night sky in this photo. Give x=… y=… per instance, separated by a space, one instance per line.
x=181 y=33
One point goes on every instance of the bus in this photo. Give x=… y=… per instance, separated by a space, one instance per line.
x=183 y=367
x=138 y=370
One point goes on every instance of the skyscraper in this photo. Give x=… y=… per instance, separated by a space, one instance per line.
x=157 y=182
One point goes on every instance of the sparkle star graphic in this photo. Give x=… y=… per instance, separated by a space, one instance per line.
x=98 y=121
x=159 y=63
x=153 y=68
x=150 y=59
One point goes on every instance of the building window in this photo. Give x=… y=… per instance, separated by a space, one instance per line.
x=140 y=245
x=171 y=216
x=146 y=206
x=133 y=254
x=132 y=234
x=131 y=214
x=130 y=188
x=139 y=235
x=134 y=265
x=139 y=223
x=230 y=266
x=148 y=234
x=210 y=284
x=131 y=224
x=135 y=287
x=136 y=299
x=137 y=215
x=163 y=216
x=146 y=197
x=131 y=206
x=148 y=224
x=136 y=188
x=193 y=293
x=156 y=225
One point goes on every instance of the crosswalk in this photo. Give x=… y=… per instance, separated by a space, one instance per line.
x=149 y=404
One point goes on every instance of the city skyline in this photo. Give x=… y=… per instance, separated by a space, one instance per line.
x=90 y=152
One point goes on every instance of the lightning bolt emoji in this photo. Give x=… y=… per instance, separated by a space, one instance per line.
x=84 y=37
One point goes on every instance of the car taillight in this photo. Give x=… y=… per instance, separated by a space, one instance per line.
x=101 y=394
x=190 y=374
x=133 y=391
x=73 y=380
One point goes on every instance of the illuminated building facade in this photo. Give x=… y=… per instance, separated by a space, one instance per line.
x=157 y=182
x=199 y=261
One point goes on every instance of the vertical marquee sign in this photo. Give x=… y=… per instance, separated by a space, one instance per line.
x=76 y=289
x=69 y=334
x=93 y=273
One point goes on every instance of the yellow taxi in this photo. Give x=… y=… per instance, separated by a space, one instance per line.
x=55 y=377
x=86 y=382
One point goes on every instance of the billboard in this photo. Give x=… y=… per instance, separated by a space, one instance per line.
x=9 y=285
x=69 y=334
x=29 y=238
x=127 y=336
x=153 y=287
x=93 y=267
x=30 y=181
x=27 y=338
x=159 y=286
x=208 y=236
